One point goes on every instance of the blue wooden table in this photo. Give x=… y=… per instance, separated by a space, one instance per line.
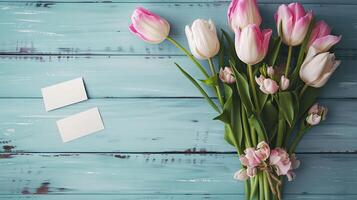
x=159 y=141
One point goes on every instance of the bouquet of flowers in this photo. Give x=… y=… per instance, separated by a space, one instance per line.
x=265 y=87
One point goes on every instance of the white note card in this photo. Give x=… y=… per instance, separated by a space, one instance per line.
x=80 y=124
x=64 y=94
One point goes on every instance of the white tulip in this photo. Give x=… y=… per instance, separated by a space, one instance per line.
x=317 y=68
x=202 y=39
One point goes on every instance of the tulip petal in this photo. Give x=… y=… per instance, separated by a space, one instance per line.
x=300 y=29
x=324 y=43
x=191 y=43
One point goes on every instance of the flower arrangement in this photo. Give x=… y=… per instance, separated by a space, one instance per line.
x=265 y=87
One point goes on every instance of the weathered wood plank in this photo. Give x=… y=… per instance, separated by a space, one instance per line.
x=352 y=2
x=72 y=28
x=172 y=197
x=153 y=125
x=127 y=76
x=147 y=174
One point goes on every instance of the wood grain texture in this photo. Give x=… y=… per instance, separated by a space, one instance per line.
x=149 y=174
x=153 y=125
x=87 y=28
x=128 y=76
x=172 y=197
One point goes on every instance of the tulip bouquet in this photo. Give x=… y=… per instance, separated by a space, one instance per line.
x=264 y=87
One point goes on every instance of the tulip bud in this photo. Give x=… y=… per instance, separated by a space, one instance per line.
x=149 y=26
x=241 y=13
x=252 y=44
x=241 y=175
x=202 y=39
x=226 y=75
x=270 y=71
x=316 y=114
x=321 y=39
x=284 y=83
x=292 y=23
x=267 y=85
x=317 y=69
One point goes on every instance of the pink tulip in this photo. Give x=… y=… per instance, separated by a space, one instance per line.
x=149 y=26
x=267 y=85
x=249 y=158
x=226 y=75
x=316 y=114
x=241 y=175
x=284 y=83
x=263 y=151
x=316 y=69
x=279 y=158
x=241 y=13
x=292 y=23
x=252 y=44
x=321 y=39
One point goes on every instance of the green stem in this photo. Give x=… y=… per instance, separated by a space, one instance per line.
x=247 y=189
x=276 y=53
x=188 y=54
x=245 y=127
x=252 y=84
x=288 y=61
x=254 y=136
x=261 y=186
x=266 y=187
x=217 y=90
x=303 y=90
x=254 y=186
x=281 y=129
x=297 y=139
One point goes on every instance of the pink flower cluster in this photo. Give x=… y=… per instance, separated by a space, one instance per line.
x=262 y=157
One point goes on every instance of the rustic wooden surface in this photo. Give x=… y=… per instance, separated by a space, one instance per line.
x=159 y=141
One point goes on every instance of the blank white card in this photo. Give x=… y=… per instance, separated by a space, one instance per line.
x=63 y=94
x=80 y=124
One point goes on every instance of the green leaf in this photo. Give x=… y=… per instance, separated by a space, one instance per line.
x=269 y=117
x=232 y=117
x=262 y=99
x=211 y=81
x=228 y=135
x=202 y=91
x=289 y=105
x=258 y=125
x=243 y=91
x=308 y=99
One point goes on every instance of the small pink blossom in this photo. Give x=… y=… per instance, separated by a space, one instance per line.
x=263 y=151
x=241 y=175
x=226 y=75
x=316 y=114
x=250 y=159
x=279 y=158
x=267 y=85
x=284 y=83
